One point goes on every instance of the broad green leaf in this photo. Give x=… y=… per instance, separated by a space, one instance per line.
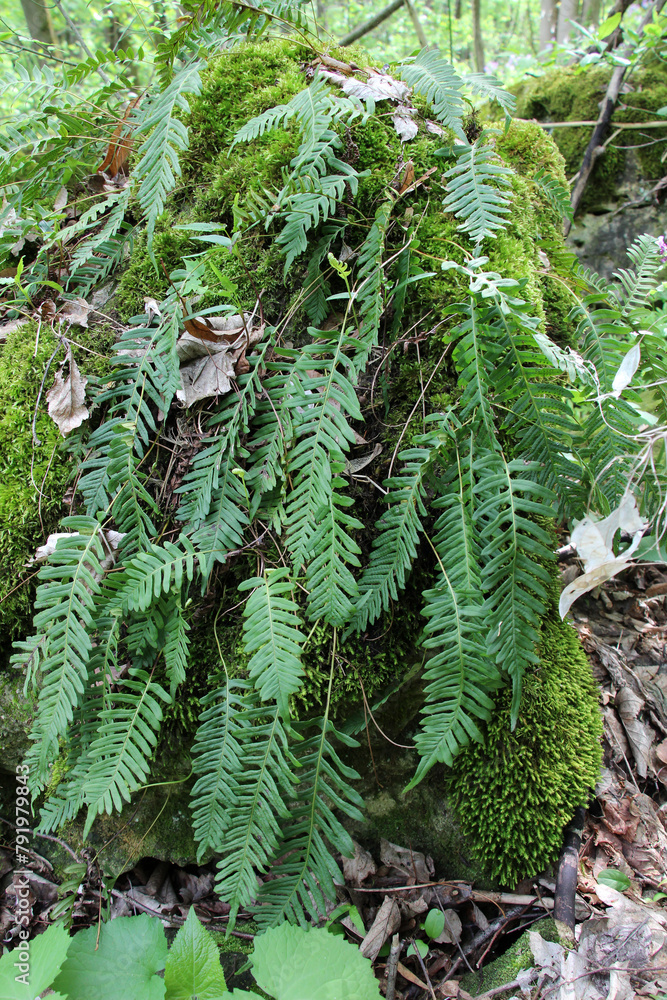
x=47 y=953
x=131 y=950
x=291 y=963
x=434 y=924
x=192 y=970
x=418 y=946
x=614 y=879
x=611 y=24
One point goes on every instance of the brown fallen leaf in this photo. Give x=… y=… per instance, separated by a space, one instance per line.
x=47 y=310
x=359 y=867
x=407 y=178
x=413 y=864
x=410 y=976
x=120 y=146
x=67 y=397
x=74 y=311
x=387 y=920
x=10 y=326
x=205 y=377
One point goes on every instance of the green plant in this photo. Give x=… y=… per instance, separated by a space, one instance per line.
x=123 y=959
x=478 y=488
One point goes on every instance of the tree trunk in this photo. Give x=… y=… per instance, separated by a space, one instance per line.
x=547 y=23
x=478 y=47
x=591 y=14
x=38 y=20
x=567 y=12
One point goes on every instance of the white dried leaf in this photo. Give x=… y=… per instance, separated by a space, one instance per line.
x=434 y=128
x=626 y=371
x=151 y=308
x=10 y=326
x=67 y=398
x=75 y=311
x=206 y=377
x=112 y=539
x=61 y=200
x=406 y=128
x=593 y=541
x=378 y=86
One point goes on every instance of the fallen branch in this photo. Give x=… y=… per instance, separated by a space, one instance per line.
x=568 y=867
x=595 y=146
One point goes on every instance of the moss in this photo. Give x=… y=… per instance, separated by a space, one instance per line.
x=573 y=94
x=140 y=278
x=33 y=476
x=503 y=970
x=15 y=721
x=517 y=791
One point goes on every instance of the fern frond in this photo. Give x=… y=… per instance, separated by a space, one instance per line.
x=149 y=574
x=304 y=877
x=370 y=282
x=491 y=89
x=477 y=190
x=461 y=676
x=66 y=599
x=435 y=78
x=333 y=588
x=166 y=136
x=516 y=548
x=399 y=528
x=326 y=397
x=271 y=633
x=639 y=283
x=556 y=193
x=120 y=754
x=317 y=287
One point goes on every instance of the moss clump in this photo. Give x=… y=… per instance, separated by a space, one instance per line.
x=517 y=791
x=572 y=94
x=33 y=476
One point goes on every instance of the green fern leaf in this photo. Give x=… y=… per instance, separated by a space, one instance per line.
x=333 y=588
x=435 y=78
x=475 y=190
x=273 y=637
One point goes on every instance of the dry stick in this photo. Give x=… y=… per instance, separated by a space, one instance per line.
x=568 y=867
x=373 y=22
x=392 y=967
x=595 y=146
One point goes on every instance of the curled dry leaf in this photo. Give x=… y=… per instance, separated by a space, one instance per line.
x=593 y=541
x=67 y=397
x=639 y=735
x=151 y=308
x=359 y=867
x=208 y=376
x=387 y=920
x=47 y=310
x=111 y=538
x=120 y=146
x=61 y=200
x=406 y=127
x=626 y=371
x=74 y=311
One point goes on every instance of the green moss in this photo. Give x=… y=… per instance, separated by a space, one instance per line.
x=33 y=476
x=573 y=94
x=140 y=278
x=517 y=791
x=503 y=970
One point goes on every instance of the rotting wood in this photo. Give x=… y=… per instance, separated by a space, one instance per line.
x=568 y=867
x=595 y=146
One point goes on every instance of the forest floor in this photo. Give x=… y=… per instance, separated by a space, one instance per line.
x=435 y=939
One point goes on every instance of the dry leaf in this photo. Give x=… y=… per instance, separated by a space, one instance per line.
x=453 y=929
x=413 y=864
x=67 y=398
x=387 y=920
x=151 y=308
x=206 y=377
x=10 y=326
x=120 y=146
x=626 y=371
x=593 y=541
x=661 y=752
x=406 y=127
x=214 y=329
x=47 y=310
x=408 y=178
x=359 y=867
x=75 y=311
x=378 y=86
x=61 y=200
x=111 y=538
x=639 y=736
x=434 y=128
x=410 y=976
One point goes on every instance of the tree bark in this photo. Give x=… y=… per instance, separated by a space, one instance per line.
x=547 y=23
x=566 y=13
x=416 y=23
x=478 y=47
x=591 y=13
x=373 y=22
x=595 y=146
x=38 y=20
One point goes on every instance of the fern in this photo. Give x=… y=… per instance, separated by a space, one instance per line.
x=556 y=193
x=516 y=548
x=491 y=89
x=119 y=755
x=477 y=190
x=272 y=634
x=435 y=78
x=638 y=284
x=66 y=599
x=333 y=588
x=461 y=675
x=370 y=282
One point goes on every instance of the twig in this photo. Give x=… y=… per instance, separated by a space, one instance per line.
x=79 y=37
x=508 y=986
x=372 y=22
x=35 y=439
x=603 y=970
x=568 y=868
x=392 y=967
